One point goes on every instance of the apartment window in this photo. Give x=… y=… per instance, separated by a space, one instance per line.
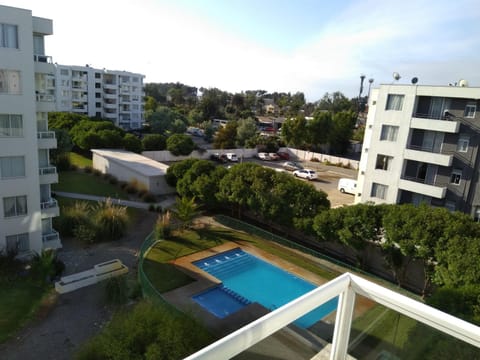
x=11 y=125
x=98 y=85
x=470 y=110
x=476 y=215
x=12 y=167
x=17 y=243
x=9 y=82
x=379 y=191
x=64 y=72
x=394 y=102
x=98 y=95
x=98 y=75
x=9 y=36
x=135 y=79
x=456 y=176
x=38 y=45
x=384 y=162
x=463 y=142
x=15 y=206
x=389 y=133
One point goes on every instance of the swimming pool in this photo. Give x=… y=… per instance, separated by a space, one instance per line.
x=262 y=282
x=221 y=301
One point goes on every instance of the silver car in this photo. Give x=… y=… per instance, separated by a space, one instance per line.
x=305 y=174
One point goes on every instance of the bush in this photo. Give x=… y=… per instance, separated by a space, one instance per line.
x=44 y=267
x=10 y=266
x=130 y=189
x=111 y=220
x=73 y=167
x=116 y=290
x=96 y=172
x=72 y=217
x=113 y=180
x=180 y=144
x=149 y=197
x=86 y=233
x=88 y=169
x=162 y=226
x=314 y=159
x=62 y=162
x=142 y=192
x=106 y=176
x=151 y=207
x=122 y=185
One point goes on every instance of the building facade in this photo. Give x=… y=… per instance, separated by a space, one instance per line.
x=113 y=95
x=421 y=145
x=27 y=87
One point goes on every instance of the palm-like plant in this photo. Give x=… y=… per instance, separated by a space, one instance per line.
x=185 y=210
x=111 y=220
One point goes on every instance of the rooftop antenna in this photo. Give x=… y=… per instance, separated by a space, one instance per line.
x=414 y=80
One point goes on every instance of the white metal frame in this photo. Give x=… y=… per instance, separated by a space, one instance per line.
x=346 y=287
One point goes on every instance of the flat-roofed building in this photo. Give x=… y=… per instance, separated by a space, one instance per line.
x=128 y=166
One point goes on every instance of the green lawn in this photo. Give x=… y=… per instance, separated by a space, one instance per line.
x=79 y=160
x=82 y=183
x=18 y=302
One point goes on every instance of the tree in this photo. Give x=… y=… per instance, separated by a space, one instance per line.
x=185 y=210
x=200 y=167
x=150 y=104
x=176 y=171
x=225 y=137
x=153 y=142
x=165 y=120
x=246 y=129
x=319 y=128
x=341 y=131
x=335 y=102
x=294 y=131
x=180 y=144
x=132 y=143
x=64 y=120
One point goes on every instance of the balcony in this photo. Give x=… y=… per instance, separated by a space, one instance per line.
x=48 y=175
x=107 y=105
x=107 y=95
x=109 y=85
x=348 y=288
x=421 y=154
x=434 y=123
x=46 y=140
x=49 y=208
x=51 y=240
x=419 y=186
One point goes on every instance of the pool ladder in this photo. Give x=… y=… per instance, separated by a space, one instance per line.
x=233 y=294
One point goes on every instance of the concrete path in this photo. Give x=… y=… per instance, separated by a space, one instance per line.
x=166 y=203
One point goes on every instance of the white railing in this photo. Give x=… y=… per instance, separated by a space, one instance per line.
x=46 y=134
x=42 y=58
x=45 y=98
x=346 y=287
x=52 y=236
x=50 y=203
x=47 y=170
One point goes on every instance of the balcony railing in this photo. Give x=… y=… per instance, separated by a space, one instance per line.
x=47 y=170
x=42 y=59
x=346 y=287
x=51 y=236
x=45 y=134
x=45 y=97
x=49 y=204
x=440 y=116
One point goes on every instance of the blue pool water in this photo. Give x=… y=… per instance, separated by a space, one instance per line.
x=221 y=301
x=259 y=281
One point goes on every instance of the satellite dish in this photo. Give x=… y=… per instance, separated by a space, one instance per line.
x=396 y=76
x=463 y=83
x=414 y=80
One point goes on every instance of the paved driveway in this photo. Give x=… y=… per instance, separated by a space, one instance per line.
x=78 y=315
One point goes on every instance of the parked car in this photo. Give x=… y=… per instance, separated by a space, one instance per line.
x=232 y=157
x=283 y=155
x=221 y=158
x=305 y=174
x=347 y=186
x=273 y=156
x=290 y=165
x=263 y=156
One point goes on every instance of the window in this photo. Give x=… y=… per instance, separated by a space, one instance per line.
x=476 y=215
x=11 y=125
x=383 y=162
x=9 y=36
x=38 y=45
x=12 y=167
x=97 y=104
x=9 y=82
x=389 y=133
x=98 y=75
x=394 y=102
x=463 y=142
x=15 y=206
x=17 y=243
x=456 y=176
x=470 y=110
x=379 y=191
x=64 y=72
x=98 y=86
x=98 y=95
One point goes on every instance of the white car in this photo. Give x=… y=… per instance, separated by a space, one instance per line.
x=232 y=157
x=305 y=174
x=263 y=156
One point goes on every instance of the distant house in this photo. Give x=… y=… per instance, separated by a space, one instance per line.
x=128 y=166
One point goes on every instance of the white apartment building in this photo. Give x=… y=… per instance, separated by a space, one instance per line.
x=26 y=96
x=421 y=145
x=113 y=95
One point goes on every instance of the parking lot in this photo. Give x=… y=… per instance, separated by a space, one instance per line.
x=327 y=181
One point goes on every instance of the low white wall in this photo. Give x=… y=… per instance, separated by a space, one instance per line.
x=167 y=156
x=309 y=155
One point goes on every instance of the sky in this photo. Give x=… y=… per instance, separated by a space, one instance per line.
x=311 y=46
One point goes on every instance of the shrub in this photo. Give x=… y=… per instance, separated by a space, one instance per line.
x=44 y=266
x=142 y=192
x=113 y=180
x=10 y=266
x=122 y=184
x=151 y=207
x=130 y=189
x=180 y=144
x=96 y=172
x=149 y=197
x=72 y=217
x=88 y=169
x=86 y=233
x=111 y=220
x=162 y=226
x=62 y=162
x=116 y=290
x=73 y=167
x=106 y=176
x=314 y=159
